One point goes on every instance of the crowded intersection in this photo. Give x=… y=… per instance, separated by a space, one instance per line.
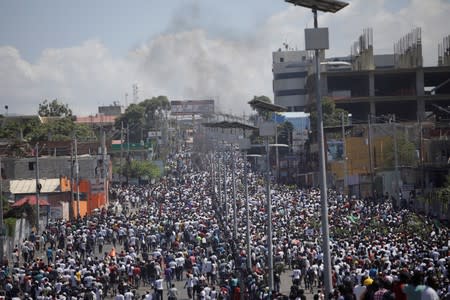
x=174 y=240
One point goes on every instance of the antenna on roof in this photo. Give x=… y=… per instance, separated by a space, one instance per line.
x=135 y=93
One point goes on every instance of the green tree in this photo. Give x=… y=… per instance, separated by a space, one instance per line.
x=261 y=115
x=155 y=109
x=143 y=116
x=443 y=194
x=261 y=112
x=18 y=129
x=59 y=124
x=133 y=119
x=60 y=129
x=285 y=135
x=139 y=169
x=54 y=108
x=330 y=114
x=406 y=152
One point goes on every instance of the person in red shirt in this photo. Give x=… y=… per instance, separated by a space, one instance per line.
x=136 y=275
x=397 y=287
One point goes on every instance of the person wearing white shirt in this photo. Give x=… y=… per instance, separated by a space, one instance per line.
x=119 y=297
x=296 y=273
x=128 y=295
x=148 y=296
x=159 y=288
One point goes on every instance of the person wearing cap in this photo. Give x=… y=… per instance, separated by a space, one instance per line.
x=371 y=288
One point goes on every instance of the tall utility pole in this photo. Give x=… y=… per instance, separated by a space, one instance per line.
x=219 y=184
x=121 y=153
x=397 y=179
x=128 y=149
x=369 y=142
x=316 y=41
x=344 y=153
x=277 y=157
x=323 y=174
x=422 y=178
x=38 y=189
x=233 y=186
x=105 y=167
x=77 y=179
x=225 y=204
x=71 y=213
x=247 y=214
x=269 y=219
x=2 y=236
x=267 y=129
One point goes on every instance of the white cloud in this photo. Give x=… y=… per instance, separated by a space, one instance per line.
x=190 y=63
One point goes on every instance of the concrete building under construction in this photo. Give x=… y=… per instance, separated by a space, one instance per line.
x=390 y=97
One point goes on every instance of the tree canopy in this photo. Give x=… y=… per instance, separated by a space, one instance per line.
x=443 y=193
x=54 y=108
x=139 y=169
x=406 y=152
x=143 y=116
x=261 y=112
x=285 y=131
x=331 y=116
x=58 y=125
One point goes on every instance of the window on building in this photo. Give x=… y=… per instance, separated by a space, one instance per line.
x=291 y=75
x=291 y=92
x=281 y=59
x=31 y=166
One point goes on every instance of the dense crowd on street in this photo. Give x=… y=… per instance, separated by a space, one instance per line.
x=180 y=230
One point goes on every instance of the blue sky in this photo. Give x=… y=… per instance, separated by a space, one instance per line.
x=32 y=26
x=90 y=53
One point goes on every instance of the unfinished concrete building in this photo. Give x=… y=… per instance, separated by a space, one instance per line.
x=378 y=87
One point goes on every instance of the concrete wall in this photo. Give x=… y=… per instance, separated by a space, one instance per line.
x=50 y=167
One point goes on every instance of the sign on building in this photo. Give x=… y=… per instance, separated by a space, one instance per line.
x=191 y=107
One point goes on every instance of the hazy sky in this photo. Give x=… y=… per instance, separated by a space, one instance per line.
x=90 y=52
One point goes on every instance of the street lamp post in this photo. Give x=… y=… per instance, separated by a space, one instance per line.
x=1 y=213
x=317 y=39
x=225 y=204
x=38 y=189
x=244 y=145
x=268 y=129
x=233 y=188
x=247 y=214
x=269 y=218
x=219 y=184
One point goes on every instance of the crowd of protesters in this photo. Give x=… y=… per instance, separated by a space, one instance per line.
x=178 y=230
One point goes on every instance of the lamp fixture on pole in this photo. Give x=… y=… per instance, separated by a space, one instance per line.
x=317 y=39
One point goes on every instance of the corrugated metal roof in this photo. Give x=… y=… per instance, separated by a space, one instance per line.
x=101 y=119
x=28 y=186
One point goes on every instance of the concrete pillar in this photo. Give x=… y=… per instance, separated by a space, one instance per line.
x=420 y=91
x=373 y=110
x=324 y=84
x=371 y=84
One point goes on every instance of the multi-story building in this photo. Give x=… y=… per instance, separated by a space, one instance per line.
x=395 y=103
x=391 y=97
x=290 y=71
x=57 y=175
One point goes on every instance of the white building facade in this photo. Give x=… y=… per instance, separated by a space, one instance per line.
x=290 y=70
